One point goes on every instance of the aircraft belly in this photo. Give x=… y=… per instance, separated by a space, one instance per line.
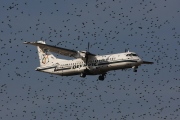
x=69 y=72
x=98 y=69
x=66 y=72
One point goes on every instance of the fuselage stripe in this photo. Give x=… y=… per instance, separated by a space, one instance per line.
x=62 y=69
x=117 y=62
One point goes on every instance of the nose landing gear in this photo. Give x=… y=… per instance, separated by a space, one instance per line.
x=135 y=68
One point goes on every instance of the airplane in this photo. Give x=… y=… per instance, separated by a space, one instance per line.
x=85 y=63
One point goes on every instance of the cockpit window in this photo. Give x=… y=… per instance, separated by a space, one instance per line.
x=134 y=54
x=131 y=54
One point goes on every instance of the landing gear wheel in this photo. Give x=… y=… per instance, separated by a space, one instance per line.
x=83 y=75
x=101 y=77
x=135 y=68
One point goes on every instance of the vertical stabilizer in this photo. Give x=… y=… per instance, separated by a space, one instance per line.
x=45 y=56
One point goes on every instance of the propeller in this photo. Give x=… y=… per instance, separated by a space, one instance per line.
x=88 y=47
x=86 y=56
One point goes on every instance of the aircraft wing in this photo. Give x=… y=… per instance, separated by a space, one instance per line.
x=59 y=50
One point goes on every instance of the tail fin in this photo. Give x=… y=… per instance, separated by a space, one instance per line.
x=45 y=57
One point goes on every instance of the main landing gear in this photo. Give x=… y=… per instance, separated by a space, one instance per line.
x=101 y=77
x=83 y=75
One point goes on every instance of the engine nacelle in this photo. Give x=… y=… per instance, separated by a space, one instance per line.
x=81 y=54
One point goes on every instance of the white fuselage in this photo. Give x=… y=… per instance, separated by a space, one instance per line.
x=96 y=64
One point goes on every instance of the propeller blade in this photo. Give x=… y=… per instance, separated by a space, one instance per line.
x=88 y=47
x=86 y=60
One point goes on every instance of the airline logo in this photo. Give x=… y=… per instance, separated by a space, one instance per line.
x=44 y=56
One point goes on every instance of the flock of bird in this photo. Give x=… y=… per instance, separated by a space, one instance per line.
x=149 y=28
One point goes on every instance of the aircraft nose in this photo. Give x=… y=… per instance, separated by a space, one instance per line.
x=140 y=61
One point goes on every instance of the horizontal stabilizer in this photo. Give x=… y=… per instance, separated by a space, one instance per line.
x=46 y=68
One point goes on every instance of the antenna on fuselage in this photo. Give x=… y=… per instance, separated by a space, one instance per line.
x=126 y=50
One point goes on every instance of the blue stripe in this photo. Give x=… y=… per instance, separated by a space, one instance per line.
x=117 y=62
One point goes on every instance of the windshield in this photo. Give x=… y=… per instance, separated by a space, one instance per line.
x=131 y=54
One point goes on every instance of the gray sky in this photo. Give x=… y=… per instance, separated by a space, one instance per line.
x=149 y=28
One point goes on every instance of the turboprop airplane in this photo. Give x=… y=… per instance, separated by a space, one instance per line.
x=85 y=63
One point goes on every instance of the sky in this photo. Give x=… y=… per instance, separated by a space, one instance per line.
x=148 y=27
